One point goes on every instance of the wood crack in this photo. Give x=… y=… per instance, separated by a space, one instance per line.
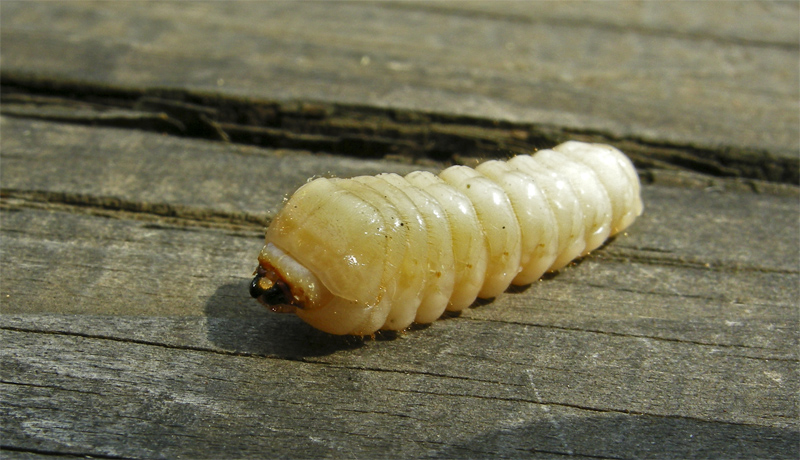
x=49 y=387
x=358 y=131
x=574 y=23
x=410 y=372
x=642 y=336
x=628 y=255
x=312 y=361
x=576 y=406
x=137 y=342
x=62 y=453
x=569 y=454
x=106 y=206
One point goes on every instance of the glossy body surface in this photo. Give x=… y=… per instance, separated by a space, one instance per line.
x=381 y=252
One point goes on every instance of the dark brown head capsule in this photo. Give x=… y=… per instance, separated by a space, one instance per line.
x=274 y=295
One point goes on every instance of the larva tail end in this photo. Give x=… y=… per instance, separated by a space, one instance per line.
x=274 y=295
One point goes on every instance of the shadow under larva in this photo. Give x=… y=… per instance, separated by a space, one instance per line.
x=354 y=256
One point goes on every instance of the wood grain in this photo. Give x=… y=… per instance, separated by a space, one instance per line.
x=131 y=215
x=678 y=74
x=659 y=324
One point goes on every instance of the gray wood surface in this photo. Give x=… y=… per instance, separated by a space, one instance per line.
x=707 y=74
x=130 y=229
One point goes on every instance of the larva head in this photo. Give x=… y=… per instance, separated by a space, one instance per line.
x=324 y=257
x=271 y=291
x=283 y=284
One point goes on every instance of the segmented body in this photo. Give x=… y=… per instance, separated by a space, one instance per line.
x=380 y=252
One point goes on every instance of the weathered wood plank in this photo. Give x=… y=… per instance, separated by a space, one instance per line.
x=148 y=169
x=198 y=178
x=641 y=327
x=771 y=24
x=357 y=131
x=140 y=400
x=659 y=332
x=169 y=272
x=126 y=325
x=679 y=73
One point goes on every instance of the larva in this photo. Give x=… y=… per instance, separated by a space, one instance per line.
x=351 y=256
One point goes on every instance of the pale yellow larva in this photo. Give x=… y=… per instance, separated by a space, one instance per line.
x=352 y=256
